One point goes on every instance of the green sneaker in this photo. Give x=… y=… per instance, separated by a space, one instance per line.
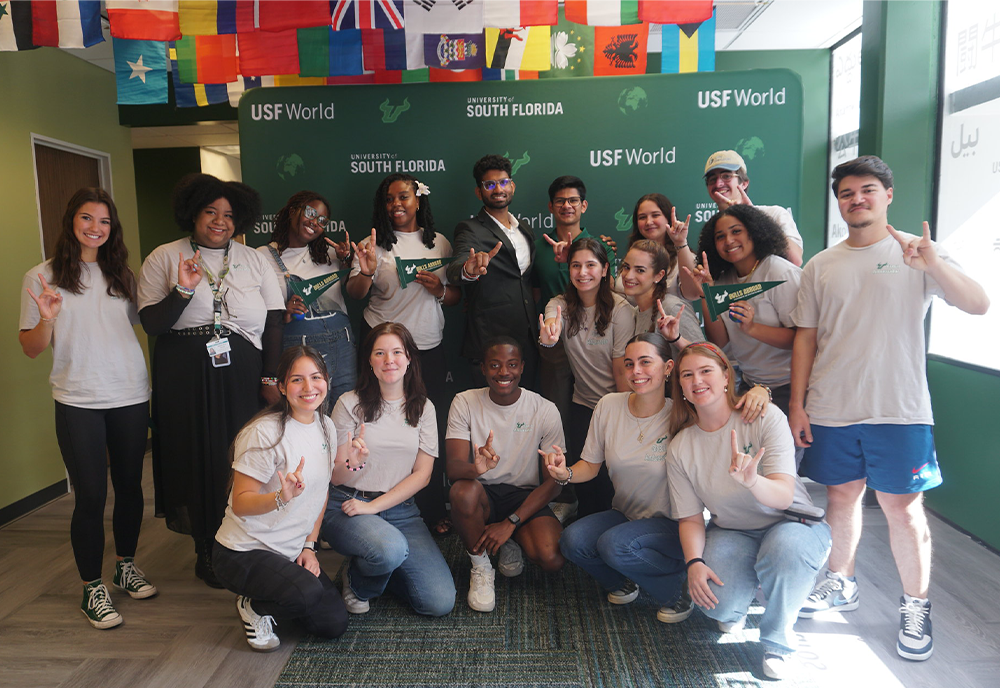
x=97 y=606
x=129 y=578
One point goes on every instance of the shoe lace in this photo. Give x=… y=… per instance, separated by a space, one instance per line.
x=683 y=602
x=914 y=614
x=132 y=577
x=825 y=589
x=262 y=627
x=100 y=601
x=481 y=576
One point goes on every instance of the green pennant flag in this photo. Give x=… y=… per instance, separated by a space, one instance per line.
x=311 y=289
x=407 y=268
x=719 y=297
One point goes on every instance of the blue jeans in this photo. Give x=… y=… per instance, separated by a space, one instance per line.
x=391 y=550
x=332 y=337
x=612 y=548
x=784 y=558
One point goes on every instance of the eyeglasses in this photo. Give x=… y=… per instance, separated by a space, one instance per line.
x=491 y=184
x=311 y=213
x=571 y=202
x=726 y=177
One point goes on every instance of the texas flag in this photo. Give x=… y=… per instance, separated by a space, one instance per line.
x=67 y=24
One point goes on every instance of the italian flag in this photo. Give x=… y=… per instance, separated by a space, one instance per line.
x=602 y=12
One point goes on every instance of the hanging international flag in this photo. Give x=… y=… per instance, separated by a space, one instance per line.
x=688 y=47
x=384 y=49
x=435 y=18
x=207 y=59
x=151 y=20
x=508 y=74
x=364 y=78
x=620 y=49
x=15 y=26
x=325 y=52
x=296 y=80
x=572 y=50
x=208 y=17
x=455 y=51
x=675 y=11
x=281 y=15
x=500 y=14
x=140 y=71
x=266 y=53
x=526 y=47
x=440 y=75
x=602 y=12
x=367 y=14
x=236 y=89
x=67 y=24
x=195 y=95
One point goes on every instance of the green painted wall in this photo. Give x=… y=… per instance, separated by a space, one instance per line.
x=813 y=66
x=50 y=93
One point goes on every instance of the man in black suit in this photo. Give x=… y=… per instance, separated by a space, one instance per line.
x=496 y=276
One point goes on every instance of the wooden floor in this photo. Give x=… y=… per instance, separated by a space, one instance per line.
x=190 y=635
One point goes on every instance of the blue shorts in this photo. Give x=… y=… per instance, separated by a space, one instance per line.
x=896 y=459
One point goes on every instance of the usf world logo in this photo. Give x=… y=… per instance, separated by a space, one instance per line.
x=390 y=113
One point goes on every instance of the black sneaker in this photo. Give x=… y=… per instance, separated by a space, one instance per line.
x=678 y=611
x=625 y=594
x=97 y=606
x=915 y=640
x=129 y=578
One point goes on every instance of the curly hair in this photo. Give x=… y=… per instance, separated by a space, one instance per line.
x=370 y=403
x=490 y=162
x=385 y=237
x=318 y=248
x=662 y=259
x=196 y=191
x=112 y=256
x=766 y=235
x=605 y=301
x=683 y=413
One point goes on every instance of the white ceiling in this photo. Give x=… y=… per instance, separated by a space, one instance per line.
x=742 y=25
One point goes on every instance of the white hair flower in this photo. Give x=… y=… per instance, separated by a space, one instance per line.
x=423 y=189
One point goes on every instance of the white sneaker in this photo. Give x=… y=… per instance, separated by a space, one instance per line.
x=351 y=601
x=510 y=559
x=834 y=592
x=259 y=629
x=732 y=626
x=482 y=596
x=776 y=666
x=625 y=594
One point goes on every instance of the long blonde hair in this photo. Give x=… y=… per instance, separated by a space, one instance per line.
x=683 y=412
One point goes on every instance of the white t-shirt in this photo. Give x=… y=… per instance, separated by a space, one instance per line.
x=414 y=306
x=522 y=251
x=250 y=288
x=282 y=532
x=96 y=359
x=762 y=362
x=301 y=266
x=590 y=354
x=519 y=431
x=868 y=308
x=392 y=442
x=783 y=216
x=636 y=468
x=698 y=470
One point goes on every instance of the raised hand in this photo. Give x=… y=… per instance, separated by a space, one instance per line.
x=743 y=467
x=49 y=301
x=669 y=325
x=700 y=275
x=742 y=312
x=432 y=283
x=475 y=265
x=918 y=253
x=189 y=271
x=555 y=463
x=358 y=450
x=295 y=306
x=610 y=242
x=754 y=404
x=484 y=457
x=292 y=484
x=367 y=258
x=342 y=248
x=560 y=249
x=550 y=330
x=678 y=231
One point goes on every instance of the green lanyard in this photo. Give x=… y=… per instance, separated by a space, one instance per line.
x=215 y=285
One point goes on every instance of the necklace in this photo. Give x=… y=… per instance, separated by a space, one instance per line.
x=749 y=274
x=642 y=429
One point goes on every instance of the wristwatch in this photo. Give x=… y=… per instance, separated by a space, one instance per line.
x=515 y=519
x=309 y=545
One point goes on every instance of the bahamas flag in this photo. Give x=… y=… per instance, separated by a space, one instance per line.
x=688 y=47
x=140 y=71
x=207 y=59
x=526 y=47
x=195 y=95
x=325 y=52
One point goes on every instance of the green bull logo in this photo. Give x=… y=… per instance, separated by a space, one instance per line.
x=390 y=113
x=624 y=220
x=515 y=165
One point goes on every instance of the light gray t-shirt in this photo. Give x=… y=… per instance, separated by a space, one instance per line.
x=392 y=442
x=868 y=308
x=636 y=468
x=762 y=362
x=519 y=431
x=783 y=216
x=97 y=362
x=282 y=532
x=645 y=321
x=590 y=354
x=414 y=306
x=698 y=470
x=300 y=264
x=250 y=288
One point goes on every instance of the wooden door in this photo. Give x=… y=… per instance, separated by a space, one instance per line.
x=60 y=174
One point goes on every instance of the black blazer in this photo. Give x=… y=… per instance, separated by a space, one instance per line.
x=501 y=301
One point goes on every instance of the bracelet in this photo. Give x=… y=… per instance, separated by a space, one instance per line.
x=49 y=319
x=675 y=339
x=351 y=468
x=567 y=480
x=186 y=292
x=767 y=389
x=281 y=504
x=366 y=274
x=269 y=381
x=467 y=277
x=310 y=545
x=440 y=299
x=696 y=560
x=547 y=346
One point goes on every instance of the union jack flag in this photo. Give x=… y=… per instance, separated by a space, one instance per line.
x=367 y=14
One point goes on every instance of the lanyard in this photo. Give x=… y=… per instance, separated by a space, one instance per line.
x=215 y=285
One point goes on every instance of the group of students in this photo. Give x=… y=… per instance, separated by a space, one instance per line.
x=638 y=411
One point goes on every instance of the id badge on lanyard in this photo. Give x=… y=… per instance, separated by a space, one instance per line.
x=218 y=347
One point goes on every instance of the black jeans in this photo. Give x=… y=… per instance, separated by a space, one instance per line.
x=90 y=440
x=594 y=495
x=282 y=589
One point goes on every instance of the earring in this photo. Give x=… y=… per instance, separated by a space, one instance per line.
x=725 y=390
